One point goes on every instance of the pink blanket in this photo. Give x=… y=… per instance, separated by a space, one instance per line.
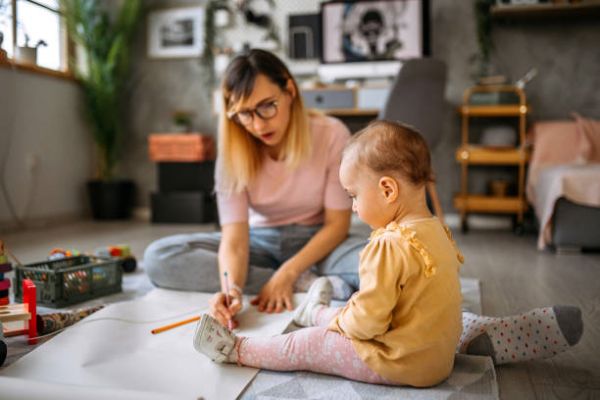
x=565 y=163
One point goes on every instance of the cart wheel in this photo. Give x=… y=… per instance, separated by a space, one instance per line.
x=129 y=264
x=519 y=229
x=3 y=352
x=464 y=226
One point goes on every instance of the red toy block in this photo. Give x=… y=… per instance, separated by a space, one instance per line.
x=4 y=284
x=31 y=301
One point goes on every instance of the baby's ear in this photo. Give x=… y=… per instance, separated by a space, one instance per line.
x=389 y=188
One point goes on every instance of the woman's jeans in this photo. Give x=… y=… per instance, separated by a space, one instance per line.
x=190 y=261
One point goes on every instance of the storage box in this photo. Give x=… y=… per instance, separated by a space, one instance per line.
x=186 y=176
x=372 y=97
x=329 y=98
x=493 y=98
x=175 y=147
x=70 y=280
x=184 y=207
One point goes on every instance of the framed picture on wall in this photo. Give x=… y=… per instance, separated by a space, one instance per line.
x=176 y=33
x=304 y=36
x=374 y=30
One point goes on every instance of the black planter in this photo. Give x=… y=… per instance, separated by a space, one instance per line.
x=111 y=199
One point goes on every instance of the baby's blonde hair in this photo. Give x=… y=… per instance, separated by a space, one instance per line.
x=392 y=148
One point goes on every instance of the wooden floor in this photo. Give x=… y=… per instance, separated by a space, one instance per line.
x=514 y=277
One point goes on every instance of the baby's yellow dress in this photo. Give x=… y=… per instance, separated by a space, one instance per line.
x=406 y=319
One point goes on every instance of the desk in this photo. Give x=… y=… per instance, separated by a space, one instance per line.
x=352 y=112
x=356 y=106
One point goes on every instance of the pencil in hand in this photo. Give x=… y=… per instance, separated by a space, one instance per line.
x=227 y=302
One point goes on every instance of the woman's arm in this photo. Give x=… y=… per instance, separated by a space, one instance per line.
x=334 y=231
x=233 y=259
x=276 y=295
x=234 y=253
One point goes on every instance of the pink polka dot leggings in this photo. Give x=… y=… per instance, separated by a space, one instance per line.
x=528 y=336
x=314 y=349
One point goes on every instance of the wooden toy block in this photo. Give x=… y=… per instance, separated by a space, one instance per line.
x=26 y=312
x=14 y=312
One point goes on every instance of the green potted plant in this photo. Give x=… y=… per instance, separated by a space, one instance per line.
x=105 y=41
x=182 y=120
x=483 y=21
x=27 y=53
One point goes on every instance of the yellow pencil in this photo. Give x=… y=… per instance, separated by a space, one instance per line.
x=174 y=325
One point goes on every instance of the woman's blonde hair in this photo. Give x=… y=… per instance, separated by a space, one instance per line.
x=239 y=153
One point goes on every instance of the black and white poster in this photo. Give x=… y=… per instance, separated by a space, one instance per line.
x=372 y=30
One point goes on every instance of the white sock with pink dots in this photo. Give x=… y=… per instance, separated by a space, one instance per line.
x=341 y=290
x=539 y=333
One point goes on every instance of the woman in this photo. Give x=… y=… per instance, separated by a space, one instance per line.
x=281 y=206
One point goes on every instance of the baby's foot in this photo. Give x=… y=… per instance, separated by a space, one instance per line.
x=319 y=295
x=341 y=290
x=539 y=333
x=214 y=340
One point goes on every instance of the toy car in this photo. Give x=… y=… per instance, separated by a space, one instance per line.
x=128 y=261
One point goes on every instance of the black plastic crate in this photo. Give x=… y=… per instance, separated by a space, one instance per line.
x=70 y=280
x=184 y=207
x=186 y=176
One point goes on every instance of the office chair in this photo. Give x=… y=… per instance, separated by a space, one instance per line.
x=417 y=98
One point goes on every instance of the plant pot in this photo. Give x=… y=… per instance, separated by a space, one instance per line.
x=27 y=55
x=111 y=199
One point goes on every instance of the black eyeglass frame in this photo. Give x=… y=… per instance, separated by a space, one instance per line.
x=234 y=115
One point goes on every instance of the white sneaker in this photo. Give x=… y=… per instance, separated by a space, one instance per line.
x=214 y=340
x=320 y=293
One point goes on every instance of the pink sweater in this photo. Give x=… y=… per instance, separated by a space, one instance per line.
x=280 y=196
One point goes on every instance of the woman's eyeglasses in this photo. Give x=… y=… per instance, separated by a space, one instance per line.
x=264 y=111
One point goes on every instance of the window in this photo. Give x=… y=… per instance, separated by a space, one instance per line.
x=38 y=25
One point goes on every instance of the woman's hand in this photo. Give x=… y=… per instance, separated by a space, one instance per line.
x=220 y=311
x=276 y=295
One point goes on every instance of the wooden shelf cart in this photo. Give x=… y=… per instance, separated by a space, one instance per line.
x=470 y=154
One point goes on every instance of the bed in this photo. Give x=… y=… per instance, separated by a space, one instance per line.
x=563 y=183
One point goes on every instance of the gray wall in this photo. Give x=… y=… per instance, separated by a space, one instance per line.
x=565 y=53
x=45 y=148
x=42 y=115
x=163 y=85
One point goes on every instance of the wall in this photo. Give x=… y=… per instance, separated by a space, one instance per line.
x=565 y=53
x=42 y=116
x=44 y=148
x=564 y=50
x=164 y=85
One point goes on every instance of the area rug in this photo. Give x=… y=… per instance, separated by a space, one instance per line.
x=473 y=377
